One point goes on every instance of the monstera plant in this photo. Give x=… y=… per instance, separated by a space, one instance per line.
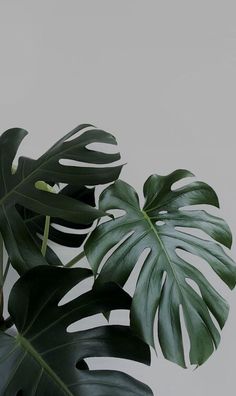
x=49 y=204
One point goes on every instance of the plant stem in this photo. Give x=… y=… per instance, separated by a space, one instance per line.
x=6 y=269
x=75 y=259
x=45 y=236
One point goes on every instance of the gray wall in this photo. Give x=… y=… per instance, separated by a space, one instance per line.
x=160 y=75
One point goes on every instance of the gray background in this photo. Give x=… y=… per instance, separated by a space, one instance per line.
x=161 y=76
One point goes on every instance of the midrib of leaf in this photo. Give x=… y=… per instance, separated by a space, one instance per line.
x=27 y=346
x=146 y=217
x=22 y=182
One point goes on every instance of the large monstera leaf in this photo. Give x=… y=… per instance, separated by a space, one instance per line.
x=167 y=283
x=45 y=359
x=19 y=188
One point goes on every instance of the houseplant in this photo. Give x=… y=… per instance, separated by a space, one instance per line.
x=40 y=197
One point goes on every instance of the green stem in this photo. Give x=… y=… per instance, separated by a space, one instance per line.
x=6 y=270
x=75 y=259
x=45 y=236
x=3 y=323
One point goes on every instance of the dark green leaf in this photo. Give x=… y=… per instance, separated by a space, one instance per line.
x=44 y=359
x=69 y=238
x=18 y=188
x=163 y=282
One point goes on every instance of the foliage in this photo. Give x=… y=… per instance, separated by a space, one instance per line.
x=163 y=279
x=49 y=203
x=19 y=187
x=55 y=358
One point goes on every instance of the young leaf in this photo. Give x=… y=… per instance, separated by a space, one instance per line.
x=44 y=359
x=163 y=282
x=19 y=187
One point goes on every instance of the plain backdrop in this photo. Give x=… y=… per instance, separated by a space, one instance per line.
x=161 y=76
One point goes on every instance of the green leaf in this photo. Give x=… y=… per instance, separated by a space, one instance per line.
x=69 y=238
x=44 y=359
x=163 y=284
x=20 y=186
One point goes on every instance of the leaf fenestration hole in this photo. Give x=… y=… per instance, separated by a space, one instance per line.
x=114 y=363
x=195 y=232
x=203 y=266
x=82 y=164
x=87 y=323
x=155 y=323
x=68 y=230
x=160 y=223
x=213 y=210
x=164 y=275
x=77 y=134
x=185 y=336
x=106 y=148
x=119 y=316
x=117 y=212
x=181 y=183
x=131 y=282
x=194 y=286
x=113 y=249
x=163 y=212
x=214 y=320
x=79 y=289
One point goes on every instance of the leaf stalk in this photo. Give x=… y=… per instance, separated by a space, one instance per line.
x=75 y=260
x=45 y=236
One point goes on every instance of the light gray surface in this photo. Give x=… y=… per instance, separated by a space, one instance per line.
x=160 y=75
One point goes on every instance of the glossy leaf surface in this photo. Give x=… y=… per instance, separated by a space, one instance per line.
x=18 y=187
x=167 y=282
x=44 y=359
x=62 y=232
